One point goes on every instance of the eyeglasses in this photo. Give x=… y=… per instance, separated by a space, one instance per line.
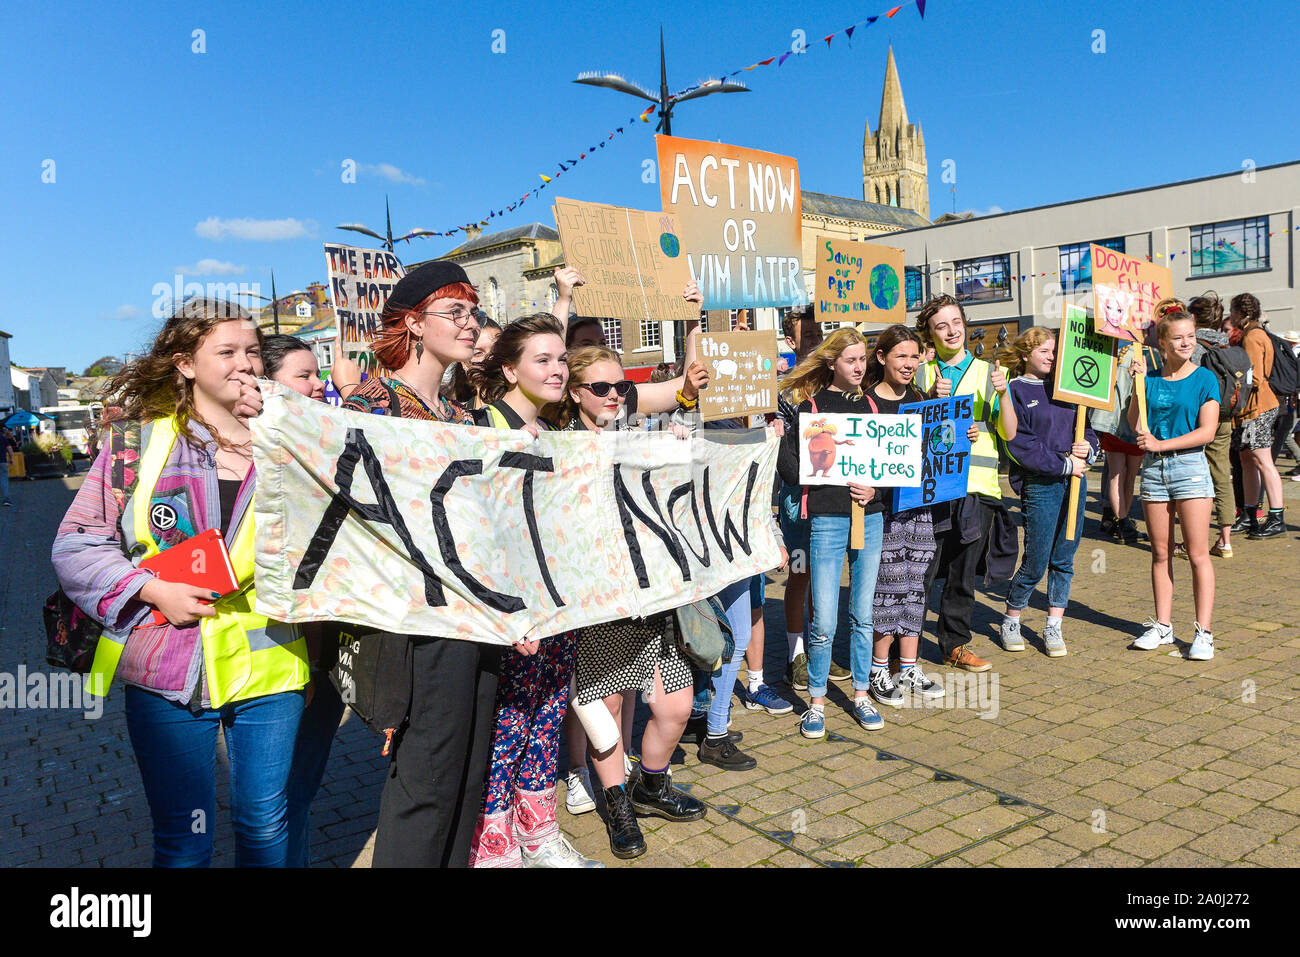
x=601 y=389
x=460 y=315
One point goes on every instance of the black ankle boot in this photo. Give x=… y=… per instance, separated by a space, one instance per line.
x=1273 y=525
x=697 y=729
x=654 y=794
x=1245 y=522
x=625 y=840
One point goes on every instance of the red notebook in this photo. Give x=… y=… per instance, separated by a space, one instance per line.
x=202 y=560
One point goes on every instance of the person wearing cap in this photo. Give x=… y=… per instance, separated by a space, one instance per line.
x=440 y=752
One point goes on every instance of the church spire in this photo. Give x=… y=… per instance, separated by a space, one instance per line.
x=893 y=111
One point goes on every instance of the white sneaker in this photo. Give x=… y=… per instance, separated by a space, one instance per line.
x=1010 y=634
x=1155 y=636
x=578 y=798
x=557 y=853
x=1202 y=645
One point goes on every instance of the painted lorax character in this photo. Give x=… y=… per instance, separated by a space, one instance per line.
x=821 y=445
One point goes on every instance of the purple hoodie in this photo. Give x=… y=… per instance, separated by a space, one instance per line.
x=1044 y=433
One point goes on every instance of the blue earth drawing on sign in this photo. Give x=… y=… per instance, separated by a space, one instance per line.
x=943 y=437
x=884 y=286
x=670 y=245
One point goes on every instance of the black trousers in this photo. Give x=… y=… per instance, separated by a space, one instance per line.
x=957 y=563
x=434 y=791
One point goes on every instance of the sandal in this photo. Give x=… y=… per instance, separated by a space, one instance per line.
x=1180 y=550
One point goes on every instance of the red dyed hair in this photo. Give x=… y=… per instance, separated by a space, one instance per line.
x=392 y=348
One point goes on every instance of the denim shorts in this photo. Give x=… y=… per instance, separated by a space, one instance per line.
x=1176 y=476
x=793 y=528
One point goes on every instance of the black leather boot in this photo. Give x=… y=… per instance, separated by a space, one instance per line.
x=625 y=840
x=1246 y=522
x=654 y=794
x=1273 y=525
x=697 y=729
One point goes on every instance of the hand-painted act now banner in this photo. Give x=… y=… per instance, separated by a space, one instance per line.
x=426 y=528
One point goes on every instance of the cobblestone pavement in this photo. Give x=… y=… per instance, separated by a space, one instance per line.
x=1106 y=757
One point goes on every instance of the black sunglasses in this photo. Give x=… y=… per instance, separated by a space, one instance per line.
x=601 y=389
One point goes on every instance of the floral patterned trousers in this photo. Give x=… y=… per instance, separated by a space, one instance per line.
x=520 y=792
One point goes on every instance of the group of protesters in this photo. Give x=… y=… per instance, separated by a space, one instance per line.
x=475 y=738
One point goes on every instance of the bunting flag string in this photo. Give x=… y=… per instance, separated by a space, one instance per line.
x=644 y=117
x=847 y=32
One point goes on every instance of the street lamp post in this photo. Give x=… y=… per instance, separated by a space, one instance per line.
x=274 y=300
x=387 y=239
x=666 y=103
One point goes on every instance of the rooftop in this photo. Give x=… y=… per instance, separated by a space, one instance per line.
x=517 y=234
x=843 y=207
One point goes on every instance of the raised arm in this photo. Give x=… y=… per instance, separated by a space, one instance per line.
x=566 y=280
x=662 y=396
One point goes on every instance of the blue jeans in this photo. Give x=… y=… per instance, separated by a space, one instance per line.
x=735 y=598
x=4 y=482
x=311 y=752
x=177 y=754
x=828 y=544
x=1044 y=504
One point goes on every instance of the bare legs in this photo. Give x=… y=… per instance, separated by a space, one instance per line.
x=1194 y=516
x=668 y=714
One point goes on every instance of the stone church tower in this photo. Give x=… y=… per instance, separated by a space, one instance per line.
x=893 y=160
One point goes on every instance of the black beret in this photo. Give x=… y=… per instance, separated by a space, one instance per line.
x=420 y=283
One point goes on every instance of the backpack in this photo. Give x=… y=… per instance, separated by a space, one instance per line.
x=1230 y=365
x=1284 y=379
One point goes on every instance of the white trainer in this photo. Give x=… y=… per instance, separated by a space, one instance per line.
x=1202 y=645
x=1155 y=636
x=578 y=797
x=1010 y=634
x=557 y=853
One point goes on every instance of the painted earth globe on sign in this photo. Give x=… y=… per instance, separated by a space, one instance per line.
x=943 y=437
x=670 y=245
x=884 y=286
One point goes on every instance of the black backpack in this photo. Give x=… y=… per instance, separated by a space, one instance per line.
x=1284 y=380
x=1231 y=367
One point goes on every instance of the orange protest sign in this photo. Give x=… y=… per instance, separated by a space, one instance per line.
x=858 y=282
x=1125 y=291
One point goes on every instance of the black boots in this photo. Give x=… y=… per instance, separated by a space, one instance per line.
x=1245 y=522
x=654 y=794
x=1273 y=525
x=697 y=729
x=625 y=840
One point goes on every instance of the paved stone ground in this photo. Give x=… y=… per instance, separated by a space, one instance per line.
x=1106 y=757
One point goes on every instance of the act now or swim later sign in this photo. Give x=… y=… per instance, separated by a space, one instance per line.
x=741 y=218
x=839 y=448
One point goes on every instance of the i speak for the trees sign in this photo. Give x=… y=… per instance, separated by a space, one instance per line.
x=740 y=212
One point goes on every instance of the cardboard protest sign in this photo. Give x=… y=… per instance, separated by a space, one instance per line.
x=360 y=281
x=1085 y=362
x=836 y=448
x=428 y=528
x=742 y=374
x=858 y=282
x=1125 y=291
x=945 y=451
x=630 y=260
x=741 y=216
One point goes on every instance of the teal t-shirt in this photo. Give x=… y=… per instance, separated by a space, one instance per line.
x=1174 y=406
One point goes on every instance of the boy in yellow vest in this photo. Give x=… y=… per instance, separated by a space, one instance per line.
x=954 y=371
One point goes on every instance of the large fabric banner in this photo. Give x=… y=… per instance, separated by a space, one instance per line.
x=489 y=535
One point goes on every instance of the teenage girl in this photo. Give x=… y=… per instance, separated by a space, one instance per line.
x=1182 y=416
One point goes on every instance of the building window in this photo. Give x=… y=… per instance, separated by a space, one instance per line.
x=1239 y=245
x=829 y=327
x=494 y=297
x=1076 y=262
x=552 y=296
x=613 y=329
x=327 y=353
x=914 y=287
x=651 y=335
x=983 y=280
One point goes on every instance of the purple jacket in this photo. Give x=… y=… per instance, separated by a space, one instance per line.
x=1044 y=434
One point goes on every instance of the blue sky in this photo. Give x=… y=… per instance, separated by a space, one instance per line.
x=167 y=158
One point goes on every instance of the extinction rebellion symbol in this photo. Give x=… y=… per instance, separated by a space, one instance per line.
x=163 y=517
x=1086 y=371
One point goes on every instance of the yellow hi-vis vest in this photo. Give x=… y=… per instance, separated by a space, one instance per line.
x=976 y=381
x=244 y=654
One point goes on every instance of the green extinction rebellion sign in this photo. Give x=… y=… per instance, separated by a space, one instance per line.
x=1085 y=362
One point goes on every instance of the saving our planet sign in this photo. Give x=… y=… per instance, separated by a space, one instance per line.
x=858 y=282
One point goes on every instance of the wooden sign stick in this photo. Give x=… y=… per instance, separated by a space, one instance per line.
x=1071 y=523
x=857 y=526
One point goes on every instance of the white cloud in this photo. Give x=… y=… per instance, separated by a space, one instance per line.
x=391 y=173
x=126 y=312
x=212 y=267
x=991 y=211
x=262 y=230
